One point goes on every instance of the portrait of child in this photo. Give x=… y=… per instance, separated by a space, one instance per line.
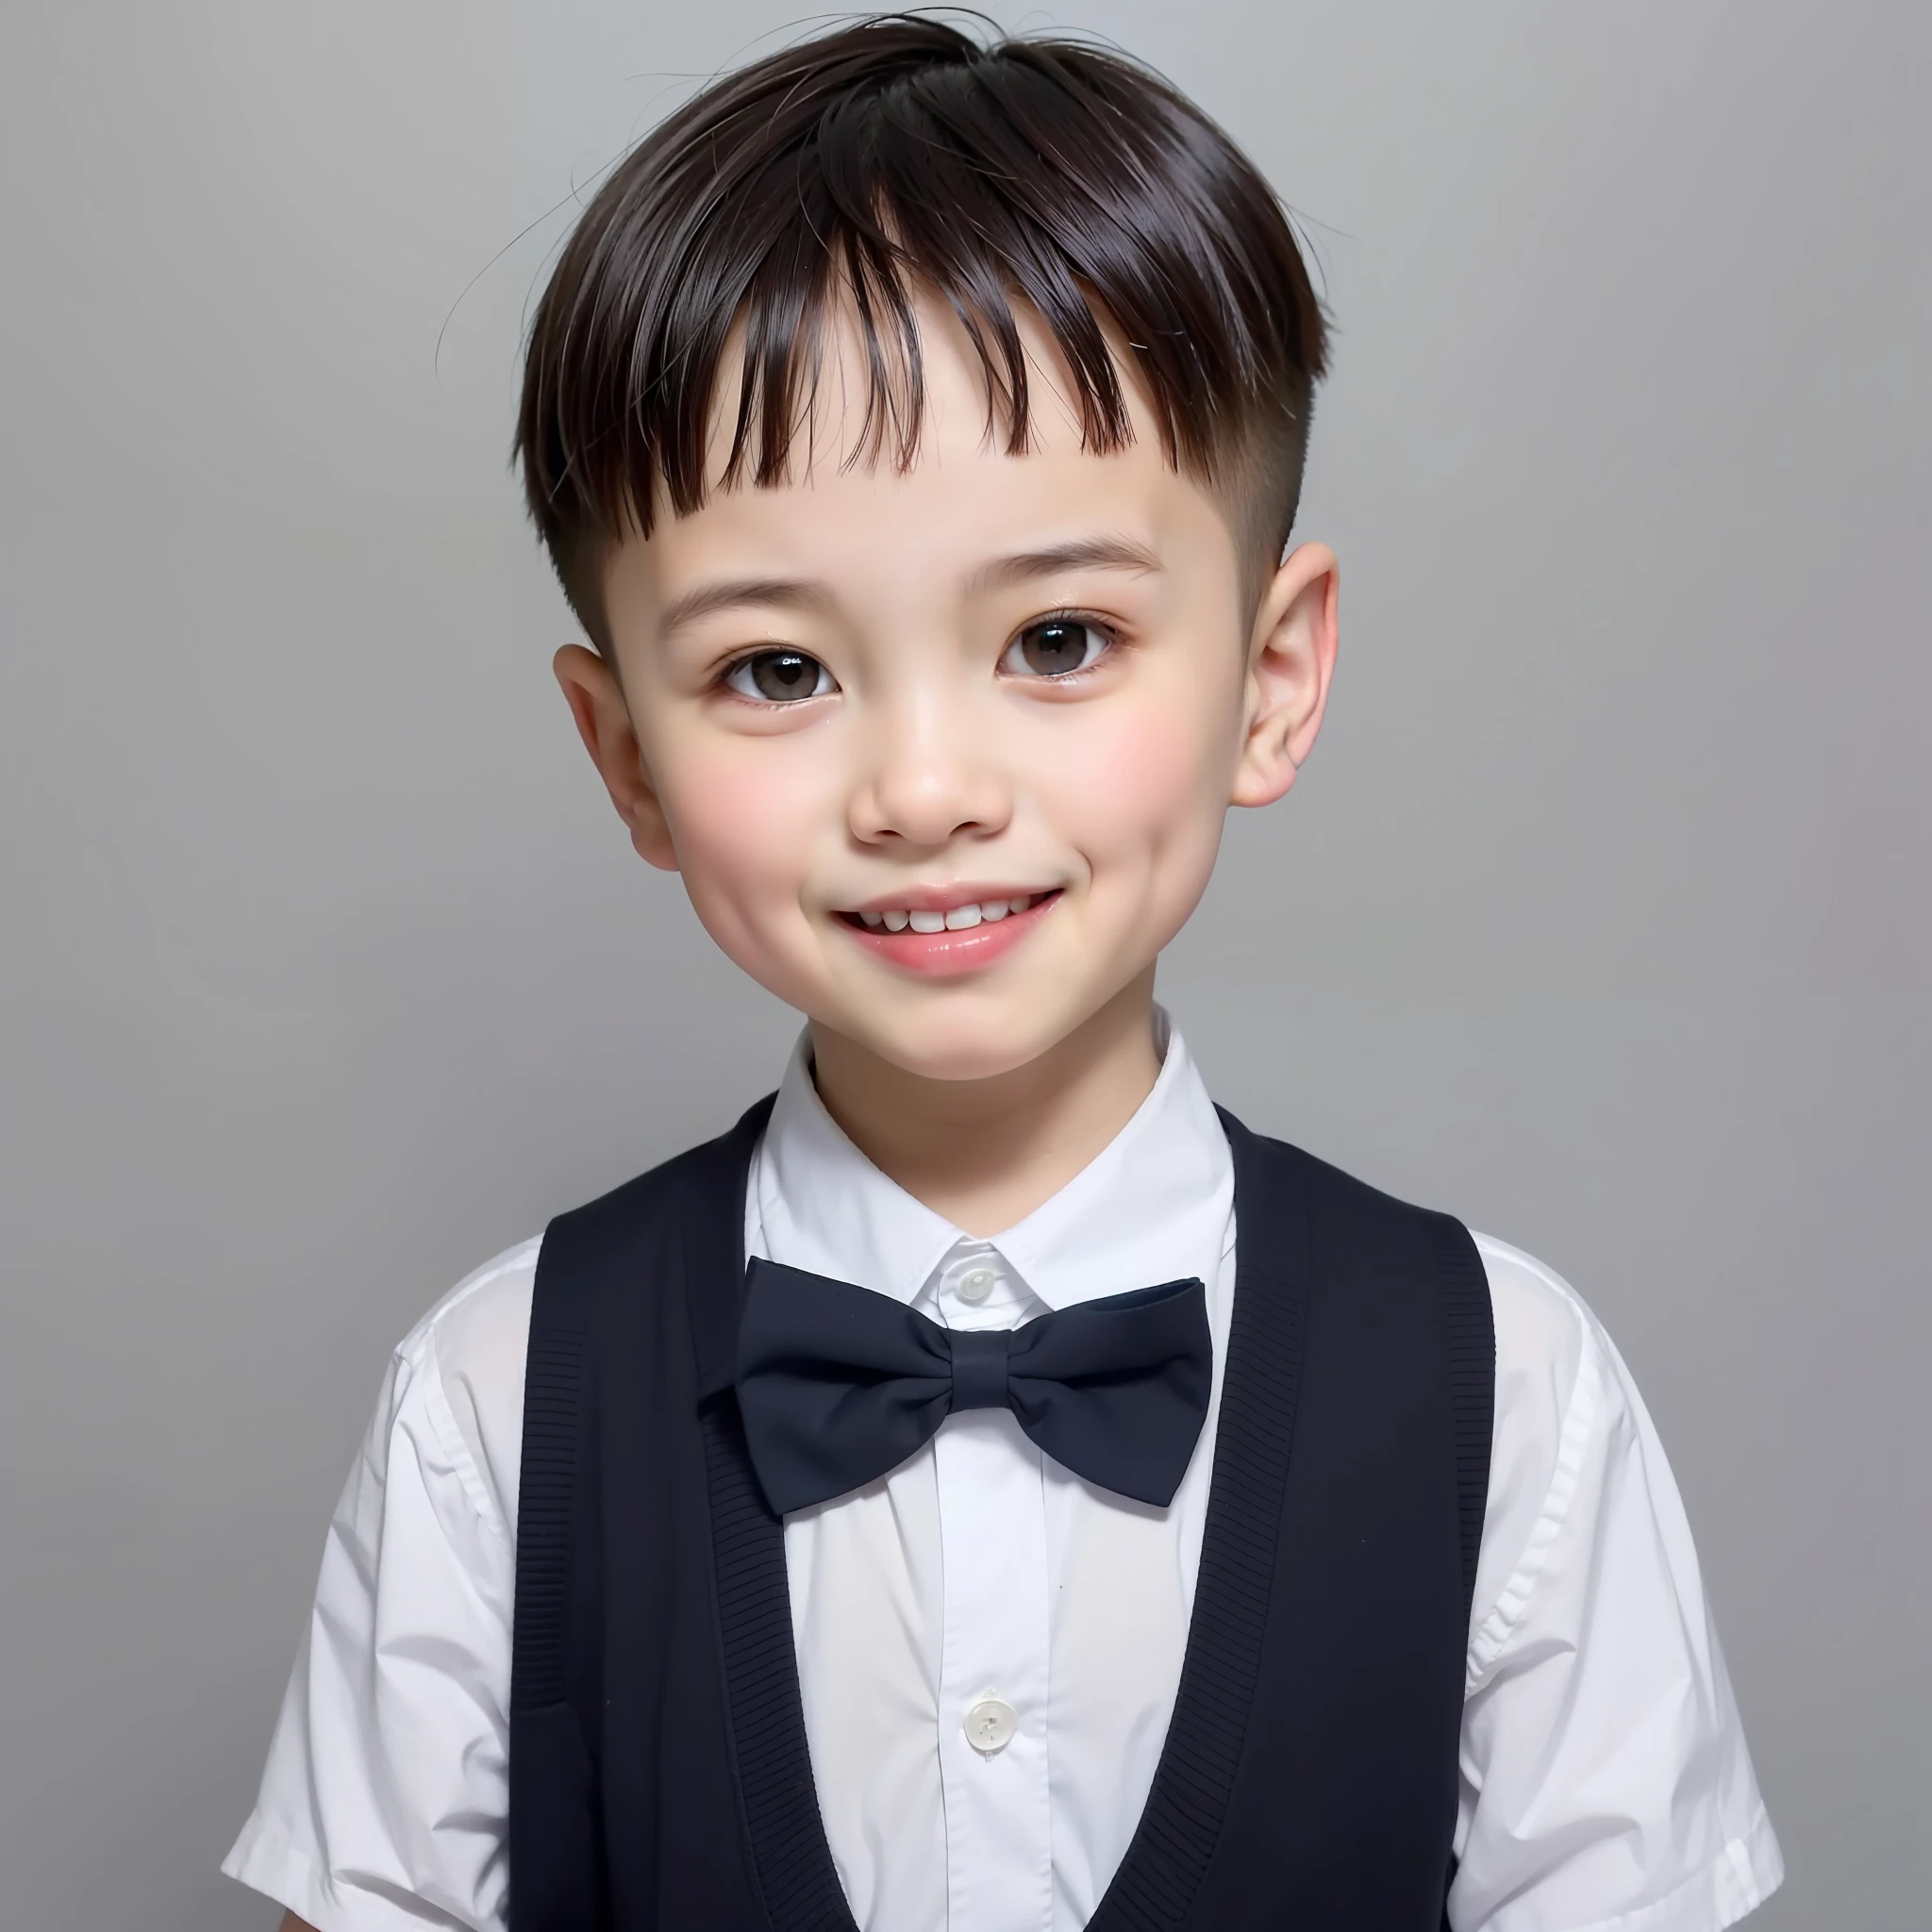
x=986 y=1393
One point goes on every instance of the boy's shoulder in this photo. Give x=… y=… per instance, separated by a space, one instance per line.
x=473 y=1328
x=1542 y=1324
x=464 y=1365
x=1570 y=1424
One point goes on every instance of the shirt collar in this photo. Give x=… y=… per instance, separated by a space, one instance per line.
x=1153 y=1206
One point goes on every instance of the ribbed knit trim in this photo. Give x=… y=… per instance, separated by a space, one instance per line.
x=1472 y=1335
x=791 y=1858
x=552 y=1429
x=1186 y=1804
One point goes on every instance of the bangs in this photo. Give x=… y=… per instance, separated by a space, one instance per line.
x=840 y=182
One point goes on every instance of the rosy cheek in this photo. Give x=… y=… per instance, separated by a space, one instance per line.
x=1131 y=782
x=742 y=827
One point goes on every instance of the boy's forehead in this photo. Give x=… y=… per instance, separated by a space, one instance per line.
x=840 y=421
x=846 y=505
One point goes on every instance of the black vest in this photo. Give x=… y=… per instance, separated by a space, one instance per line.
x=659 y=1776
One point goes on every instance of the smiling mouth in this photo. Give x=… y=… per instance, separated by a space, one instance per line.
x=961 y=918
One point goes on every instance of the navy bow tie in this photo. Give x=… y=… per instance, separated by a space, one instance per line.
x=838 y=1385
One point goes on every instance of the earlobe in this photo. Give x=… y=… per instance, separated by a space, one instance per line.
x=1290 y=666
x=603 y=720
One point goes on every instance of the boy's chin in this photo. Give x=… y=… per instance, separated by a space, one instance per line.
x=985 y=1046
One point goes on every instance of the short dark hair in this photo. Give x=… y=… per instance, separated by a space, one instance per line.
x=883 y=159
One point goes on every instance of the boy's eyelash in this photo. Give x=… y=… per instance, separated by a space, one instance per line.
x=1091 y=619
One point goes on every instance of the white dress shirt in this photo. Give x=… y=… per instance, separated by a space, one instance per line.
x=988 y=1648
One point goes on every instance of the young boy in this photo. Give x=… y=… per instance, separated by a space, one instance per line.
x=989 y=1488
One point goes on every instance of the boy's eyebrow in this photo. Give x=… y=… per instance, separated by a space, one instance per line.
x=801 y=594
x=796 y=594
x=1084 y=553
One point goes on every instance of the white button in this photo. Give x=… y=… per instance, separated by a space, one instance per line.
x=974 y=1286
x=990 y=1725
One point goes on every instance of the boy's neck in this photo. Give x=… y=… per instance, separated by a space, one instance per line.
x=985 y=1154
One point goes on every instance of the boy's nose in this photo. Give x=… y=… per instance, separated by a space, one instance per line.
x=927 y=782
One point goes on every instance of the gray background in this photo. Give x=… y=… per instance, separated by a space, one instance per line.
x=1601 y=917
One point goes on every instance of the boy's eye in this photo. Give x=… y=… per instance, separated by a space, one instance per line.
x=1054 y=647
x=779 y=677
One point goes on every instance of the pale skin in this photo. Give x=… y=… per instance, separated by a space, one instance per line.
x=936 y=761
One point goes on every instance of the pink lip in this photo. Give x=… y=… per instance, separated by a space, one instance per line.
x=948 y=955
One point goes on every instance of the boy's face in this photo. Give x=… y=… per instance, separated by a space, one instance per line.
x=1011 y=697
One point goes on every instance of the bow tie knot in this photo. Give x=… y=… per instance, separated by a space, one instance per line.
x=979 y=1366
x=838 y=1385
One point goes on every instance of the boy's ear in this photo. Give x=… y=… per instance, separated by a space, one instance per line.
x=597 y=702
x=1291 y=665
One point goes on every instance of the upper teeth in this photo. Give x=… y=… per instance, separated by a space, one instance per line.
x=956 y=920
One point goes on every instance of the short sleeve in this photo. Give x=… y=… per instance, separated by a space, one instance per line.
x=1606 y=1779
x=383 y=1806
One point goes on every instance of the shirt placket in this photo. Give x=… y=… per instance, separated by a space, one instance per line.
x=993 y=1661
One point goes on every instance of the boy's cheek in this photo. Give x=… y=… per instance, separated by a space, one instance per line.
x=746 y=897
x=743 y=832
x=1142 y=779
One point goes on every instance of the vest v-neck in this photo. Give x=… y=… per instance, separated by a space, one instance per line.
x=1180 y=1823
